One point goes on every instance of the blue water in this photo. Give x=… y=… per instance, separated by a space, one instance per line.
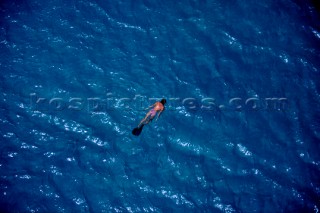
x=78 y=155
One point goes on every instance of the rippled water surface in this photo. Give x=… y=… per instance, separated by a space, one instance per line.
x=66 y=142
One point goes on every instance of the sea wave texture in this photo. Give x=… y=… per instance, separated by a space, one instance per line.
x=72 y=156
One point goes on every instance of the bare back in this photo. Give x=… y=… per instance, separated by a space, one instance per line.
x=158 y=107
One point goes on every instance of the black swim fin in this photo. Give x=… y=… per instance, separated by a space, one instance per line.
x=136 y=131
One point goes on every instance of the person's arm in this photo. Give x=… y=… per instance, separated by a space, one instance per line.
x=159 y=115
x=150 y=106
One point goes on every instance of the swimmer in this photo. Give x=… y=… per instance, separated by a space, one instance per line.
x=158 y=107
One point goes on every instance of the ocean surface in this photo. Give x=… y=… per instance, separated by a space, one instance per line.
x=240 y=132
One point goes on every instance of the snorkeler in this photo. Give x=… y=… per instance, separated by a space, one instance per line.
x=158 y=107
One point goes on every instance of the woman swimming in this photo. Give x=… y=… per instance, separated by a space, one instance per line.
x=158 y=107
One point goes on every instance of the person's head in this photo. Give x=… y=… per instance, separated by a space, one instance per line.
x=163 y=101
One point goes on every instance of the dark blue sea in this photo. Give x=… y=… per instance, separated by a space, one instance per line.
x=241 y=128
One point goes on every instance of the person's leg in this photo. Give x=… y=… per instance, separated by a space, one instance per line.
x=149 y=119
x=145 y=118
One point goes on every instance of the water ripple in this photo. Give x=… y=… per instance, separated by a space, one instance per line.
x=190 y=160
